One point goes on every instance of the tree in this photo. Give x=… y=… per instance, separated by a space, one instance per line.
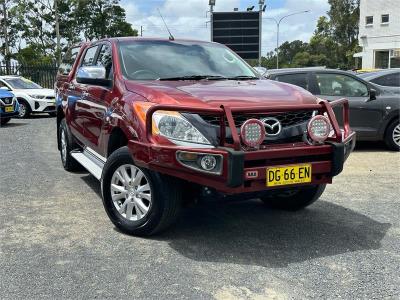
x=103 y=18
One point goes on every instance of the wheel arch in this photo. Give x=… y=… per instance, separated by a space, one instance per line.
x=117 y=139
x=389 y=119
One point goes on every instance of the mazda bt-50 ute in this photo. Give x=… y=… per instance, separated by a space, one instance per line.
x=163 y=122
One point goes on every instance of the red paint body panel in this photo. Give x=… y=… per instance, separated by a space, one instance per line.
x=92 y=119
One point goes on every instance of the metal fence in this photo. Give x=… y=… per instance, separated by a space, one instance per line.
x=44 y=75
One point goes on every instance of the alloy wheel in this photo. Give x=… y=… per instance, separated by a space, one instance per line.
x=131 y=192
x=22 y=110
x=396 y=135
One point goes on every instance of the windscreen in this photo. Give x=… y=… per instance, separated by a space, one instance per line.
x=152 y=60
x=22 y=83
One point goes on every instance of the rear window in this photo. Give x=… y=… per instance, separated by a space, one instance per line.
x=388 y=80
x=299 y=79
x=68 y=61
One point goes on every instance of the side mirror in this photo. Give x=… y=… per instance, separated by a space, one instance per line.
x=4 y=88
x=261 y=70
x=95 y=75
x=372 y=94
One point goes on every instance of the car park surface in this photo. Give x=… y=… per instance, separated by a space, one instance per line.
x=57 y=242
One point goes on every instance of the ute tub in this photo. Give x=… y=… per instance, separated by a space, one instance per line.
x=327 y=160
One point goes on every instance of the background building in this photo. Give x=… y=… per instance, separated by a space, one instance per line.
x=380 y=34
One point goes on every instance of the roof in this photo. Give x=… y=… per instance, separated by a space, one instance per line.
x=376 y=74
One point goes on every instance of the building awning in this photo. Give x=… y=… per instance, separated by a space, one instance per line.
x=359 y=54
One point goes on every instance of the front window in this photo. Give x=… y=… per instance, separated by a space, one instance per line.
x=22 y=83
x=152 y=60
x=340 y=85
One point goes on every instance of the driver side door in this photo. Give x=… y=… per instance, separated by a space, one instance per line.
x=365 y=114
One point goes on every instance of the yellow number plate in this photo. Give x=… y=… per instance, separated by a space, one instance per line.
x=9 y=109
x=285 y=175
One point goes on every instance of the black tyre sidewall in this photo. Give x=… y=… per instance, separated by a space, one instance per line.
x=150 y=222
x=70 y=164
x=389 y=136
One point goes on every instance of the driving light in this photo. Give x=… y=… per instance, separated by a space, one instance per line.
x=208 y=162
x=319 y=128
x=252 y=133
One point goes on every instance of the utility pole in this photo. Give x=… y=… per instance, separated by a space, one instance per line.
x=5 y=32
x=278 y=24
x=58 y=37
x=260 y=11
x=141 y=31
x=212 y=4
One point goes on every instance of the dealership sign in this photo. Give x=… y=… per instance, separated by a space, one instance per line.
x=240 y=31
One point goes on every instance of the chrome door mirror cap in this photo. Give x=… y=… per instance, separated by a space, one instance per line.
x=261 y=70
x=95 y=75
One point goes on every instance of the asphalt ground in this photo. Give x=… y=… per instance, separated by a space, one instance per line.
x=57 y=242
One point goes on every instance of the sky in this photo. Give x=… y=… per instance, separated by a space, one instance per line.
x=188 y=18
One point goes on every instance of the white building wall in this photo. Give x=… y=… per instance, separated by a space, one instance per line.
x=378 y=36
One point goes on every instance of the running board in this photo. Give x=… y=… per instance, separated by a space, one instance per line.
x=90 y=161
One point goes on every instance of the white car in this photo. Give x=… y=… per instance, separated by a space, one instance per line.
x=32 y=97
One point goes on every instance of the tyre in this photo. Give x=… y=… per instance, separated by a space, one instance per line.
x=392 y=136
x=138 y=201
x=24 y=109
x=294 y=199
x=67 y=144
x=4 y=121
x=53 y=114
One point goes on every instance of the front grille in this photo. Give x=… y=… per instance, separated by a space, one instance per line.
x=7 y=100
x=287 y=119
x=50 y=97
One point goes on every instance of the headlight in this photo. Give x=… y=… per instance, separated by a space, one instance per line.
x=172 y=125
x=37 y=96
x=175 y=127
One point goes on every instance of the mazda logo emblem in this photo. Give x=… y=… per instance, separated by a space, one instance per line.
x=272 y=126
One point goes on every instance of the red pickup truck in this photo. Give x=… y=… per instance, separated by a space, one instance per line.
x=163 y=122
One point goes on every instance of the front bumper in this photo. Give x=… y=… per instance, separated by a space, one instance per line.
x=327 y=159
x=43 y=105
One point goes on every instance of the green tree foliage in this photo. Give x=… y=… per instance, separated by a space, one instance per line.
x=33 y=25
x=333 y=44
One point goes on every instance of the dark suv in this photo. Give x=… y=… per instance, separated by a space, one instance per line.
x=374 y=110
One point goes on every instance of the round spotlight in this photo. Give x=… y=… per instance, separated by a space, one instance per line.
x=208 y=162
x=319 y=128
x=252 y=133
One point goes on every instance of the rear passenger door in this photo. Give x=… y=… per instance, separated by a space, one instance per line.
x=365 y=115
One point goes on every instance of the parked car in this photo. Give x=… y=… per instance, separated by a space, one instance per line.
x=160 y=122
x=32 y=97
x=9 y=106
x=374 y=111
x=388 y=80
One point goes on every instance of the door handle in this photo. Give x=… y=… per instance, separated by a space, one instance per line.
x=84 y=95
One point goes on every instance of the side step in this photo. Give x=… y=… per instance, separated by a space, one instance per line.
x=90 y=160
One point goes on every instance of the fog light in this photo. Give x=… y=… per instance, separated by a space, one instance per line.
x=319 y=128
x=208 y=162
x=252 y=133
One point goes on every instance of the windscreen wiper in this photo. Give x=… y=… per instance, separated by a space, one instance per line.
x=243 y=77
x=194 y=77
